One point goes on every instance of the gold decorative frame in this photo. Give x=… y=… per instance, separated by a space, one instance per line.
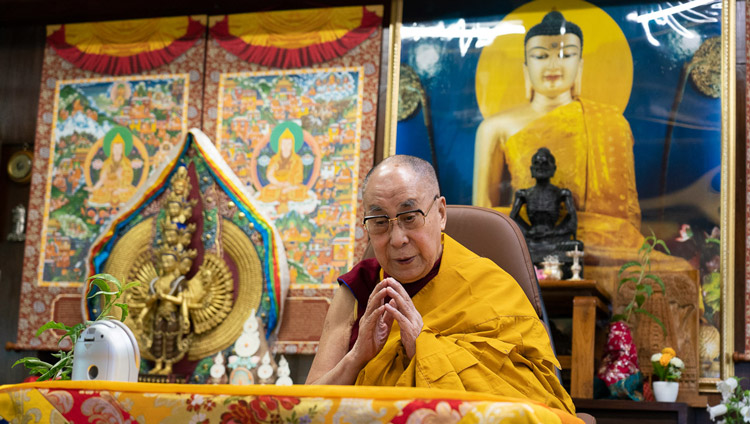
x=728 y=181
x=728 y=163
x=394 y=64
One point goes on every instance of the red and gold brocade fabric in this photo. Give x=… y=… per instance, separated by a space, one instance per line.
x=295 y=38
x=125 y=47
x=113 y=402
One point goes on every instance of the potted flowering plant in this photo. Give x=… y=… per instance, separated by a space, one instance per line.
x=735 y=403
x=668 y=370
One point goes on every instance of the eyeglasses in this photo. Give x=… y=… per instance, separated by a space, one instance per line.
x=407 y=220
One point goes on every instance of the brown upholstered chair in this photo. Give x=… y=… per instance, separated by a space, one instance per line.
x=495 y=236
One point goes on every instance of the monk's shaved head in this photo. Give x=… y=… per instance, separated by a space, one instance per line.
x=424 y=173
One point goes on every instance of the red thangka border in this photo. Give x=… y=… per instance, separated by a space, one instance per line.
x=276 y=57
x=126 y=65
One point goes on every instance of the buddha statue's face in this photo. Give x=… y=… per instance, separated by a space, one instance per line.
x=553 y=63
x=168 y=262
x=170 y=236
x=286 y=144
x=173 y=209
x=543 y=165
x=185 y=265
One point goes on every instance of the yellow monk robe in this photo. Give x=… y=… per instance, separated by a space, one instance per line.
x=117 y=187
x=289 y=171
x=593 y=148
x=480 y=334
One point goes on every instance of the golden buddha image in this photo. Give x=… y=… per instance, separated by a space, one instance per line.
x=119 y=94
x=590 y=139
x=285 y=170
x=116 y=184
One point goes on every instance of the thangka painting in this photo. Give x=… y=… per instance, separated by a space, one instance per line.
x=291 y=103
x=301 y=167
x=627 y=101
x=116 y=97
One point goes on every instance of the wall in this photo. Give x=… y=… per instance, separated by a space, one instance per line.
x=21 y=50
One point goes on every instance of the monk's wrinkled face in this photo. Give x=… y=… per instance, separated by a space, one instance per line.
x=286 y=144
x=406 y=255
x=553 y=63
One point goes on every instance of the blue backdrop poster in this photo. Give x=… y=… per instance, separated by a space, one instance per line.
x=653 y=65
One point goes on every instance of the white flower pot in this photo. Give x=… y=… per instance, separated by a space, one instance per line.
x=665 y=391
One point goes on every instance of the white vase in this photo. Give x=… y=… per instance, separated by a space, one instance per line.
x=665 y=391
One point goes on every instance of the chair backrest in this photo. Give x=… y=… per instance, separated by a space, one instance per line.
x=495 y=236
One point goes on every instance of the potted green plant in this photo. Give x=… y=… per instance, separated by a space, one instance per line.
x=620 y=370
x=639 y=273
x=110 y=290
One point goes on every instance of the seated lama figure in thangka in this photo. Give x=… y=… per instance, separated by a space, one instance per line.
x=206 y=259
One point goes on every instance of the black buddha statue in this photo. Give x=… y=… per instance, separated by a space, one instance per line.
x=547 y=232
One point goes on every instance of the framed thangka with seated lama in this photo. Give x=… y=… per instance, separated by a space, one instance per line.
x=291 y=102
x=634 y=100
x=115 y=98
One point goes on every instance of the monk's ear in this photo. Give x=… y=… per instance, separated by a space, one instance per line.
x=575 y=91
x=529 y=89
x=443 y=212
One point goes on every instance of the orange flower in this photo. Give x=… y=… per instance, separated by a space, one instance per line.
x=665 y=358
x=666 y=355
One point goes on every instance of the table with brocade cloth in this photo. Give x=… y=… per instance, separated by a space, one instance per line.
x=115 y=402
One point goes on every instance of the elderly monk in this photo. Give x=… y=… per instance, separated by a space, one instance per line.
x=426 y=311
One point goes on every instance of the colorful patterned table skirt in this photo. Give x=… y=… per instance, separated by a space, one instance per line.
x=113 y=402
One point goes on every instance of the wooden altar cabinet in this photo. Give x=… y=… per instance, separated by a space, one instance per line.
x=584 y=300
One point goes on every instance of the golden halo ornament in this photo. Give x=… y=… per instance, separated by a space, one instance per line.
x=607 y=60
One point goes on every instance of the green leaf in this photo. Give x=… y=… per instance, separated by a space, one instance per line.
x=658 y=280
x=648 y=289
x=659 y=370
x=653 y=317
x=713 y=240
x=103 y=291
x=52 y=372
x=32 y=362
x=625 y=281
x=52 y=325
x=618 y=317
x=131 y=285
x=76 y=331
x=639 y=299
x=125 y=310
x=628 y=265
x=664 y=245
x=107 y=277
